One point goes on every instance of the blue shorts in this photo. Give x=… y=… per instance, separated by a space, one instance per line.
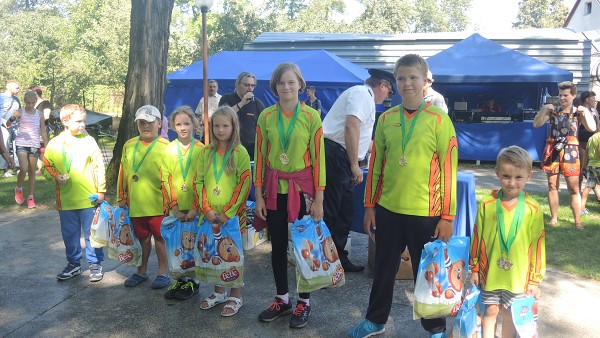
x=31 y=151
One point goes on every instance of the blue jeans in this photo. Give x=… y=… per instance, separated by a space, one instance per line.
x=71 y=224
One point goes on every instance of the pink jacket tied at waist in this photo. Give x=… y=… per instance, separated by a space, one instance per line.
x=302 y=178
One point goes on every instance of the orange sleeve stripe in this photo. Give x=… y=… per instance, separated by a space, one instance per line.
x=196 y=201
x=49 y=168
x=205 y=205
x=259 y=160
x=434 y=182
x=448 y=171
x=121 y=183
x=379 y=189
x=317 y=164
x=369 y=183
x=238 y=189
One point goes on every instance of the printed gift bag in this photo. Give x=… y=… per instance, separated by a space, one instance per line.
x=442 y=273
x=525 y=314
x=181 y=242
x=220 y=254
x=123 y=245
x=317 y=262
x=468 y=318
x=101 y=224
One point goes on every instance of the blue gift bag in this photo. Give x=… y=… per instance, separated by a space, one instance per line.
x=442 y=273
x=124 y=245
x=468 y=319
x=220 y=254
x=181 y=242
x=317 y=261
x=524 y=313
x=103 y=220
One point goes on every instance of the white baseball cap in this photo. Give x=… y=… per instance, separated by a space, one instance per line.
x=148 y=112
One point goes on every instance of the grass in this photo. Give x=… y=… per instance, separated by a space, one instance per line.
x=567 y=248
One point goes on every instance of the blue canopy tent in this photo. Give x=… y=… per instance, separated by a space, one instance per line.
x=330 y=75
x=476 y=68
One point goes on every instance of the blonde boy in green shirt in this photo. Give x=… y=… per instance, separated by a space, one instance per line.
x=75 y=161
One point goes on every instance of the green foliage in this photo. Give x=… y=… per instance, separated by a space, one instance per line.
x=541 y=14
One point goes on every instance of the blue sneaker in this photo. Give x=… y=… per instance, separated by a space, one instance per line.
x=366 y=328
x=438 y=335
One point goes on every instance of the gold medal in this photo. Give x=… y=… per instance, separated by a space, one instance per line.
x=134 y=178
x=504 y=263
x=216 y=191
x=184 y=187
x=403 y=162
x=284 y=159
x=66 y=176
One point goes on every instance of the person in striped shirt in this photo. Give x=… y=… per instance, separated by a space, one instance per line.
x=508 y=252
x=290 y=168
x=410 y=193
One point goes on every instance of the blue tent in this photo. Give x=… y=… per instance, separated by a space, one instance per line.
x=330 y=75
x=476 y=68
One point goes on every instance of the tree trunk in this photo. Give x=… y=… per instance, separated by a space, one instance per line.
x=146 y=75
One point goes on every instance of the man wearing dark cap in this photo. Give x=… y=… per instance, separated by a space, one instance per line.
x=347 y=129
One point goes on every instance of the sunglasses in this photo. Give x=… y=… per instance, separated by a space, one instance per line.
x=248 y=85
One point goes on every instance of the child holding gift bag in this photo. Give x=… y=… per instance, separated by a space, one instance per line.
x=290 y=152
x=178 y=173
x=222 y=186
x=139 y=188
x=410 y=193
x=75 y=161
x=508 y=253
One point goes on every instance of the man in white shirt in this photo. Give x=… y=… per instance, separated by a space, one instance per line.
x=348 y=129
x=8 y=104
x=213 y=104
x=432 y=96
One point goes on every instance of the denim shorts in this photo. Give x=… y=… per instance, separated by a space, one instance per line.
x=31 y=151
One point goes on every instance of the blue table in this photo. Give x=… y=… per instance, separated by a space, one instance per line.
x=466 y=206
x=483 y=141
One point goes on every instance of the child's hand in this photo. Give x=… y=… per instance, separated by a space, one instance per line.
x=474 y=278
x=316 y=210
x=191 y=215
x=260 y=208
x=534 y=290
x=100 y=197
x=369 y=222
x=211 y=216
x=222 y=218
x=60 y=179
x=444 y=230
x=122 y=204
x=180 y=215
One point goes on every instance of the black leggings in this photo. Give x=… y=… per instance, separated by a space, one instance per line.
x=278 y=231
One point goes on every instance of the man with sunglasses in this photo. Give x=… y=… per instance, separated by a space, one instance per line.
x=348 y=128
x=247 y=107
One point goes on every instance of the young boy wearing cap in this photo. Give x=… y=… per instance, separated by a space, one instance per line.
x=139 y=187
x=75 y=161
x=410 y=194
x=348 y=128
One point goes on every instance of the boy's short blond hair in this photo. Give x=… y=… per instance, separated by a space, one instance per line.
x=412 y=60
x=516 y=156
x=69 y=109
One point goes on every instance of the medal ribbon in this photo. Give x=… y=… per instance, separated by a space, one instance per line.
x=64 y=156
x=285 y=140
x=222 y=169
x=406 y=139
x=184 y=171
x=136 y=167
x=507 y=240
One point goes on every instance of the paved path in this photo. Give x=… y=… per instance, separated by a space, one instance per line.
x=34 y=304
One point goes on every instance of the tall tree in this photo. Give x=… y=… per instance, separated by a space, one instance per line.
x=541 y=14
x=146 y=74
